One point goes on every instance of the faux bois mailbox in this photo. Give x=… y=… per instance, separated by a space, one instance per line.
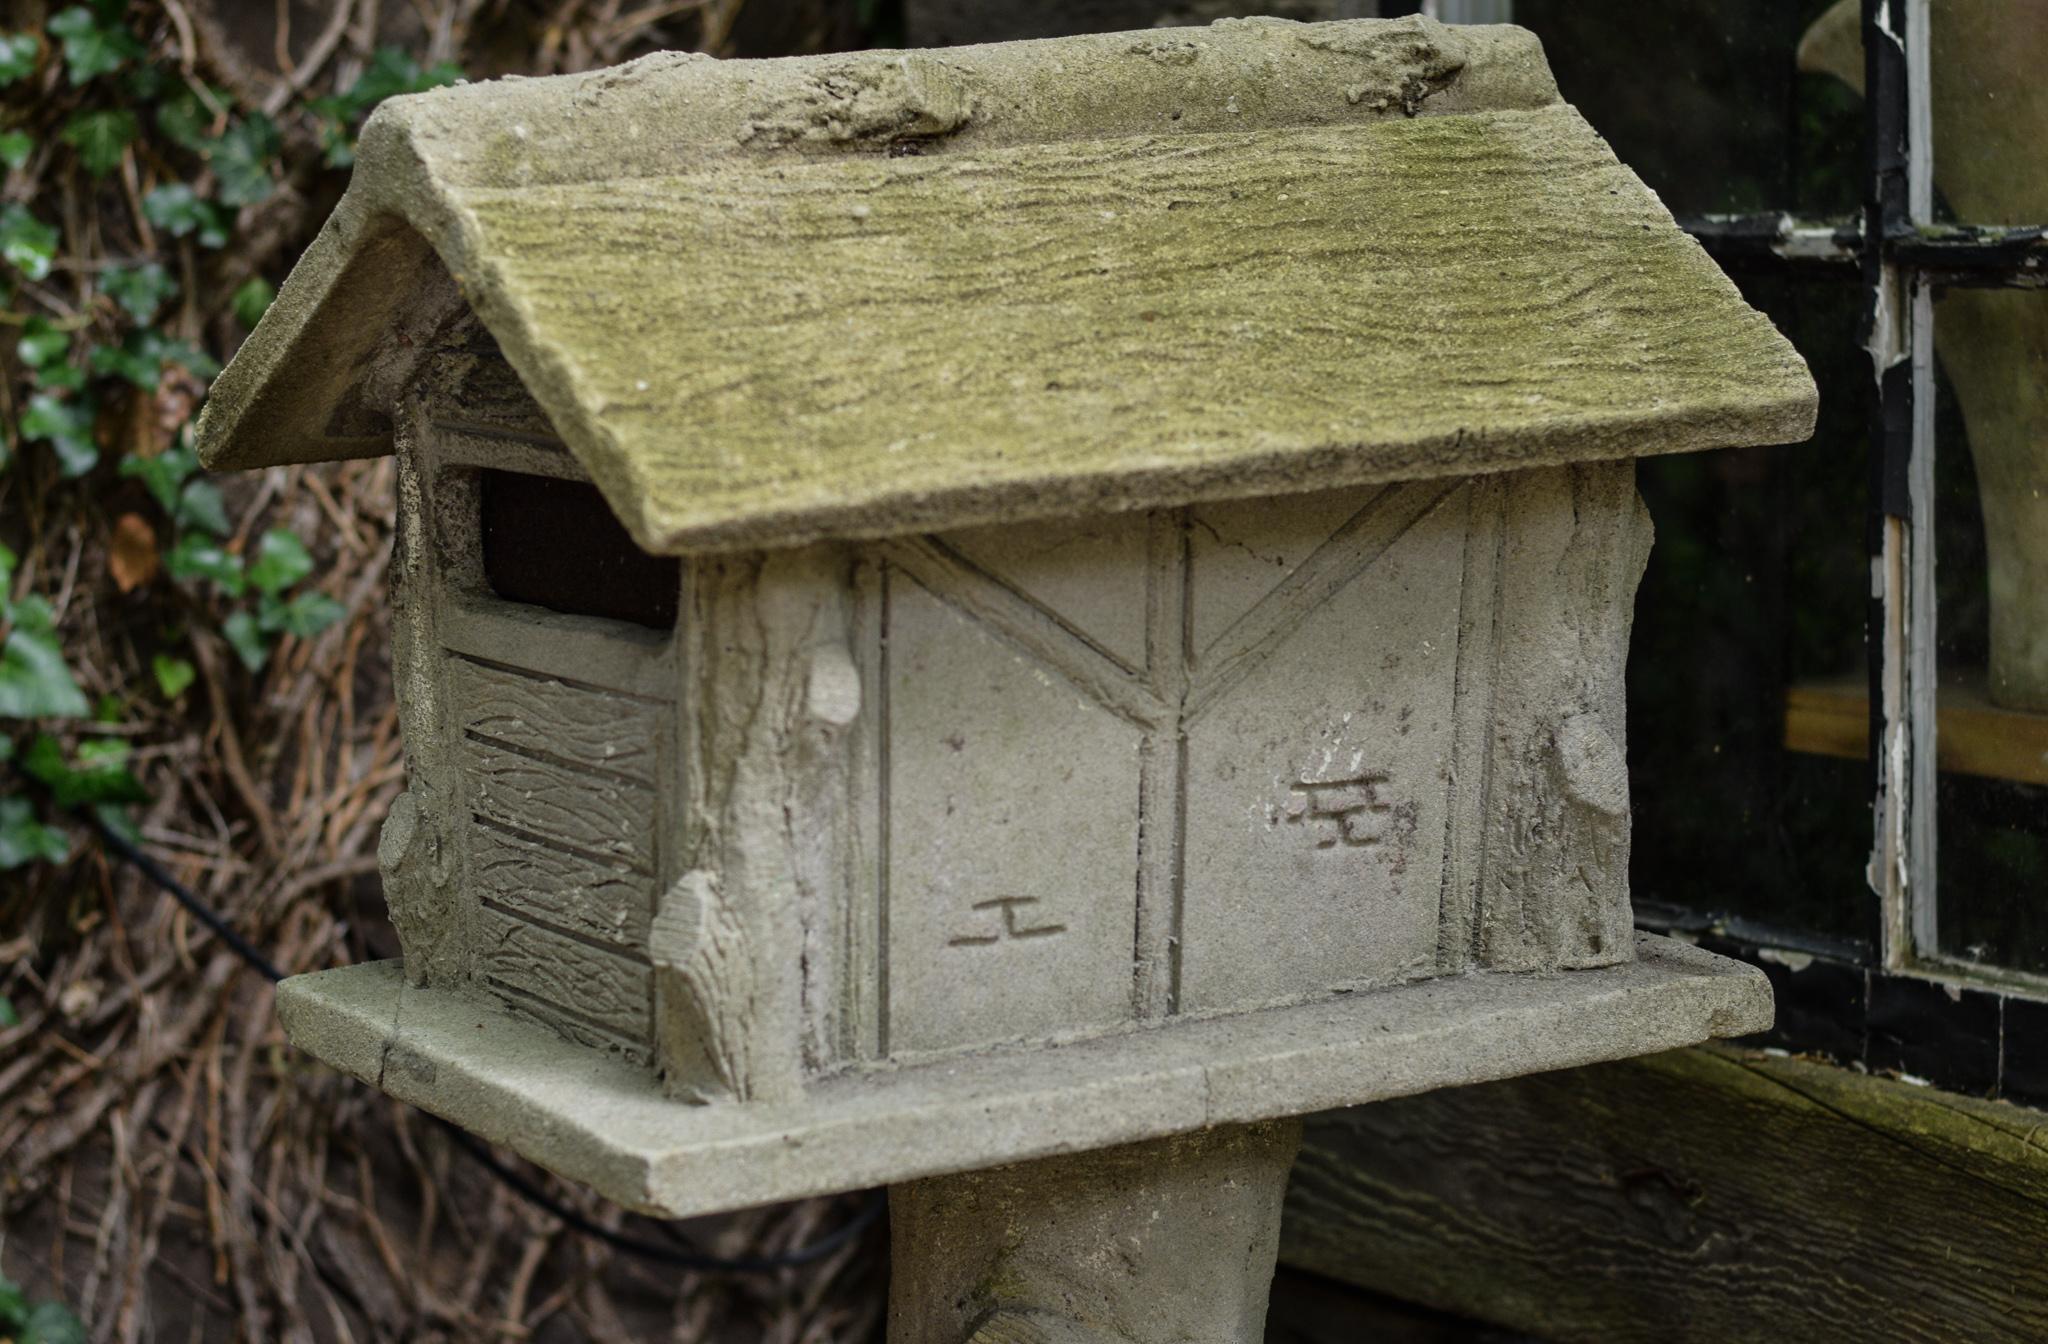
x=968 y=606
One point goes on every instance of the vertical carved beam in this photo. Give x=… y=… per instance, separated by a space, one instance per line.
x=416 y=849
x=773 y=691
x=1555 y=888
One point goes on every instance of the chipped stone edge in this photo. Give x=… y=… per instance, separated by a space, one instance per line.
x=606 y=1124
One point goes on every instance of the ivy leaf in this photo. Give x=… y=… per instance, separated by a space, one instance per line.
x=13 y=1304
x=281 y=561
x=52 y=1323
x=164 y=474
x=18 y=52
x=130 y=359
x=26 y=242
x=41 y=344
x=186 y=119
x=15 y=147
x=186 y=356
x=198 y=556
x=92 y=47
x=306 y=615
x=67 y=427
x=202 y=506
x=35 y=682
x=247 y=640
x=100 y=137
x=98 y=772
x=241 y=158
x=141 y=290
x=142 y=354
x=181 y=211
x=23 y=840
x=252 y=300
x=173 y=675
x=8 y=1018
x=391 y=71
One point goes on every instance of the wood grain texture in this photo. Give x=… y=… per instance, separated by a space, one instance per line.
x=876 y=346
x=542 y=717
x=1698 y=1195
x=605 y=901
x=590 y=813
x=565 y=979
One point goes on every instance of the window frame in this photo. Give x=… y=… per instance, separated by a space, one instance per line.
x=1915 y=1002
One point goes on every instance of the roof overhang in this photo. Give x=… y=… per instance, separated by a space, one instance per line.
x=767 y=302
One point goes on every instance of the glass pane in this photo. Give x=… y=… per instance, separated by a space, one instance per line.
x=1747 y=686
x=1990 y=111
x=1705 y=100
x=1991 y=582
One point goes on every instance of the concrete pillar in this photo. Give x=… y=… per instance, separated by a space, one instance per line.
x=1167 y=1242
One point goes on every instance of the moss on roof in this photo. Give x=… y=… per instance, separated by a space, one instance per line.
x=1123 y=271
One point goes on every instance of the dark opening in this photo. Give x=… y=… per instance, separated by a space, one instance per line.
x=557 y=544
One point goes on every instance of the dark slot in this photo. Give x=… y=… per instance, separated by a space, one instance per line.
x=557 y=544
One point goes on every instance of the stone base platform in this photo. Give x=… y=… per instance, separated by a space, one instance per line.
x=605 y=1123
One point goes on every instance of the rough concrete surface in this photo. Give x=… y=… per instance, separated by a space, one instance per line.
x=1167 y=1242
x=606 y=1122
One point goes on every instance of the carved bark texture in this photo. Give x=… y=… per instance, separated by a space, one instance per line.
x=769 y=646
x=1554 y=891
x=417 y=850
x=704 y=982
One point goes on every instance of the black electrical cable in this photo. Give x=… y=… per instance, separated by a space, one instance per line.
x=676 y=1256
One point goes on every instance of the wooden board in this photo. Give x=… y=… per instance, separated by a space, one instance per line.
x=1972 y=735
x=1697 y=1195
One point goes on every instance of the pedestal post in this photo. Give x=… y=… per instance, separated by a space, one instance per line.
x=1167 y=1242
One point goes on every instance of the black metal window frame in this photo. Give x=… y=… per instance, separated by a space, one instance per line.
x=1893 y=1000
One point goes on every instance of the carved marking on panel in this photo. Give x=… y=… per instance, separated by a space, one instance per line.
x=1012 y=925
x=1341 y=812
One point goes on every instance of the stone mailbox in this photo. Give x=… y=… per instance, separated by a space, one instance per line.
x=972 y=606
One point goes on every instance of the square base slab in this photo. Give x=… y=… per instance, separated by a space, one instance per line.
x=606 y=1123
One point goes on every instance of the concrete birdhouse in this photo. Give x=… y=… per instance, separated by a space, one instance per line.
x=959 y=606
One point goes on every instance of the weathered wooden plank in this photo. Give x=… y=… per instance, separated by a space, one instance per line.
x=539 y=715
x=1698 y=1195
x=587 y=812
x=566 y=978
x=600 y=900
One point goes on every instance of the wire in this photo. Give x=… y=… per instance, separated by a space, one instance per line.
x=681 y=1257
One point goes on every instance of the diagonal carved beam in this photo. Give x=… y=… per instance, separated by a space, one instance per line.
x=1349 y=552
x=1031 y=628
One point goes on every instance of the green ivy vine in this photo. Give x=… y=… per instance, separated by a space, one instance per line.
x=110 y=362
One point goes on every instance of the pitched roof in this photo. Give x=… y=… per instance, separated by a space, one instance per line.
x=770 y=301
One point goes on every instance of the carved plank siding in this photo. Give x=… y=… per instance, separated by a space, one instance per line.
x=588 y=812
x=545 y=718
x=568 y=981
x=599 y=900
x=1709 y=1195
